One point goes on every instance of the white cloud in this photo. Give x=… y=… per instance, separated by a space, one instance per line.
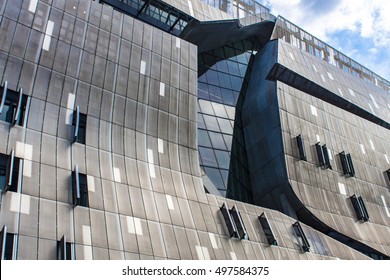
x=364 y=20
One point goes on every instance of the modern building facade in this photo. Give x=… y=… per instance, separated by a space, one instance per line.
x=184 y=129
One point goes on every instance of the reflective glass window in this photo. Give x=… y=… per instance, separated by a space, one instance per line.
x=217 y=140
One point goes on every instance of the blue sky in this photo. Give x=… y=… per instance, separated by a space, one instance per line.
x=358 y=28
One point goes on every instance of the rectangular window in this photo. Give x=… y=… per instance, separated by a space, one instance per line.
x=12 y=105
x=301 y=236
x=79 y=188
x=7 y=244
x=267 y=230
x=351 y=168
x=347 y=165
x=320 y=154
x=231 y=226
x=64 y=249
x=79 y=126
x=326 y=157
x=242 y=234
x=9 y=172
x=360 y=208
x=301 y=147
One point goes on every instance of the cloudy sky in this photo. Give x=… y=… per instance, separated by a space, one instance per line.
x=358 y=28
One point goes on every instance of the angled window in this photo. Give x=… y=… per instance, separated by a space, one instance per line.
x=388 y=174
x=347 y=165
x=7 y=244
x=301 y=147
x=79 y=126
x=352 y=169
x=79 y=188
x=301 y=236
x=12 y=105
x=64 y=249
x=231 y=226
x=9 y=172
x=326 y=157
x=320 y=155
x=364 y=209
x=242 y=234
x=267 y=230
x=360 y=208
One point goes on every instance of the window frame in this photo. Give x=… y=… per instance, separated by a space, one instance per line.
x=79 y=124
x=80 y=193
x=267 y=229
x=17 y=102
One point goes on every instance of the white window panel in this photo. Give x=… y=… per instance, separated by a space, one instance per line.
x=143 y=67
x=342 y=189
x=313 y=110
x=33 y=6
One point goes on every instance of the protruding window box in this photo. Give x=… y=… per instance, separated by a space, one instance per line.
x=242 y=233
x=320 y=155
x=7 y=244
x=301 y=236
x=347 y=165
x=323 y=156
x=267 y=229
x=64 y=249
x=79 y=126
x=79 y=188
x=326 y=157
x=12 y=105
x=9 y=172
x=230 y=224
x=301 y=147
x=388 y=174
x=360 y=208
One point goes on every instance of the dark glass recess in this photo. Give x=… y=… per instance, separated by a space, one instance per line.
x=64 y=249
x=7 y=244
x=12 y=105
x=360 y=208
x=79 y=188
x=231 y=226
x=320 y=155
x=267 y=229
x=241 y=8
x=388 y=174
x=242 y=233
x=221 y=79
x=9 y=172
x=234 y=223
x=79 y=126
x=323 y=156
x=301 y=147
x=347 y=165
x=157 y=13
x=326 y=156
x=301 y=236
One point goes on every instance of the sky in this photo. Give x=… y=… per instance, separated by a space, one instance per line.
x=358 y=28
